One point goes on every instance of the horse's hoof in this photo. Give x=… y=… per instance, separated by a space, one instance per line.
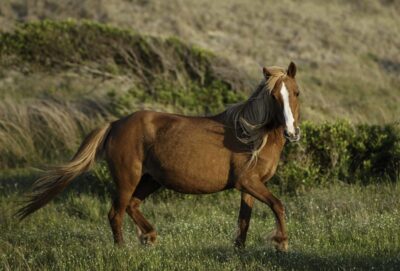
x=283 y=246
x=239 y=245
x=148 y=239
x=280 y=243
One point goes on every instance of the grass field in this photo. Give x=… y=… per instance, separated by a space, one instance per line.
x=339 y=227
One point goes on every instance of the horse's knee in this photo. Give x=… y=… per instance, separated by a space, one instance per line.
x=134 y=203
x=114 y=219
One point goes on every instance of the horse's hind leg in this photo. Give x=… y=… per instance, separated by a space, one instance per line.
x=246 y=206
x=146 y=186
x=126 y=181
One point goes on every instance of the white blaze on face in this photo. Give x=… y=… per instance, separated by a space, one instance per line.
x=287 y=112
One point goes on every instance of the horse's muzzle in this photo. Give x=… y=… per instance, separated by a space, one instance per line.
x=293 y=137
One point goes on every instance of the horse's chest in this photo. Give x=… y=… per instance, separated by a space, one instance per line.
x=267 y=165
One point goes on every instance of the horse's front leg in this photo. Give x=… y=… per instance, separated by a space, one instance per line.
x=257 y=189
x=246 y=206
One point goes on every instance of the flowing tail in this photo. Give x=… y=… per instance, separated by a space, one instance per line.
x=57 y=178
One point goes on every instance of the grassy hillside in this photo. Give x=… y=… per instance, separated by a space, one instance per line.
x=88 y=48
x=60 y=79
x=347 y=51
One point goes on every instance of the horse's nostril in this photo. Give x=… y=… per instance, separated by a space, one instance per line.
x=288 y=134
x=292 y=137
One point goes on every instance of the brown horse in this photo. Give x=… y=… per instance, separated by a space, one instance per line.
x=238 y=148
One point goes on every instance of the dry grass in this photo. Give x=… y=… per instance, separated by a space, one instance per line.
x=33 y=131
x=347 y=51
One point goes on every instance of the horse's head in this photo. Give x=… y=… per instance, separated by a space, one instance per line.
x=286 y=92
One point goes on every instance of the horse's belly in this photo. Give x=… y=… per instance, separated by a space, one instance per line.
x=193 y=186
x=189 y=156
x=201 y=170
x=193 y=178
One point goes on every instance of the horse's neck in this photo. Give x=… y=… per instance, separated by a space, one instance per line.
x=275 y=138
x=274 y=144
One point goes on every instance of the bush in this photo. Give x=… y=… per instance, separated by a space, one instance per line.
x=340 y=152
x=66 y=44
x=375 y=153
x=192 y=99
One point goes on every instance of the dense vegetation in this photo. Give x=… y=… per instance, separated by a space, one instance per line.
x=360 y=154
x=62 y=45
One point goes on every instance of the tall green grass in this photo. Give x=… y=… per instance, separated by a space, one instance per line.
x=337 y=228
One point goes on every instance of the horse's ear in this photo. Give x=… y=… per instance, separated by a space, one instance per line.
x=266 y=73
x=291 y=71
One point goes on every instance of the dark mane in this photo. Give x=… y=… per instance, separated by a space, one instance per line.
x=253 y=118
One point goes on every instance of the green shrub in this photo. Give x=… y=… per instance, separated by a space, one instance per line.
x=68 y=44
x=375 y=153
x=192 y=99
x=340 y=152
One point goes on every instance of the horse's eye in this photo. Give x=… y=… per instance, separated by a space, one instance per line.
x=297 y=93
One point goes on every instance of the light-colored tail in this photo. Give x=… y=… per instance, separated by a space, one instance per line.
x=57 y=178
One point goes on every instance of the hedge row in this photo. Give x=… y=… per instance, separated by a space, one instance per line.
x=340 y=152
